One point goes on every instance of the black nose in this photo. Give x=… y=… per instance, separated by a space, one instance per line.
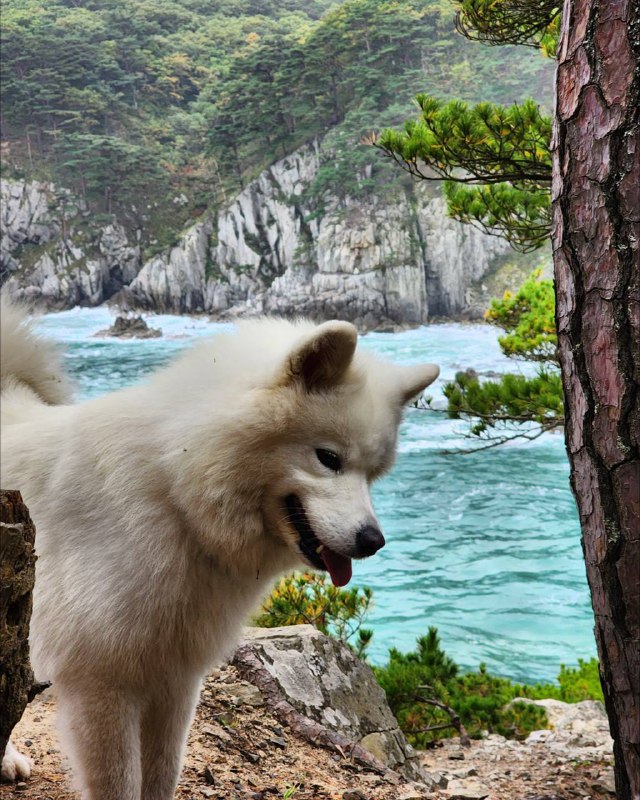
x=369 y=540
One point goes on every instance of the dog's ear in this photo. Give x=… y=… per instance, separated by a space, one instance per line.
x=320 y=360
x=414 y=379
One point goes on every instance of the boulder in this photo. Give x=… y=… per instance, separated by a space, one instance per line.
x=326 y=682
x=579 y=730
x=130 y=328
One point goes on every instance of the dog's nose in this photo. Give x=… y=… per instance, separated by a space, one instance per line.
x=369 y=540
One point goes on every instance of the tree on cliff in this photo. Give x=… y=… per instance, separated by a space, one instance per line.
x=596 y=197
x=496 y=166
x=596 y=203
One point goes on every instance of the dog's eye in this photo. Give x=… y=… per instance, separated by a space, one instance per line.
x=329 y=459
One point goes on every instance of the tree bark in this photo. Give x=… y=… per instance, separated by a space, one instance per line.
x=596 y=235
x=17 y=573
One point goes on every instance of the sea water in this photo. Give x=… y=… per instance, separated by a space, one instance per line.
x=485 y=546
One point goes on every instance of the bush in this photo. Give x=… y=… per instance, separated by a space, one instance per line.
x=310 y=598
x=483 y=702
x=411 y=680
x=574 y=684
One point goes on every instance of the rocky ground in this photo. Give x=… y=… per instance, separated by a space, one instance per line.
x=238 y=750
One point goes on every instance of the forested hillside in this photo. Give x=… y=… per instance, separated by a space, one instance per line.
x=156 y=109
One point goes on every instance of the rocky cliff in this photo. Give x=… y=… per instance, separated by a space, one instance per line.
x=397 y=259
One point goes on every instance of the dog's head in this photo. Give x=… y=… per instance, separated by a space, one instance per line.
x=334 y=433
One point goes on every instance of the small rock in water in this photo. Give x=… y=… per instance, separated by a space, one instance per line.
x=131 y=328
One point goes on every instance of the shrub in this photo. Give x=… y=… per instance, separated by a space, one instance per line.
x=482 y=701
x=412 y=681
x=574 y=684
x=310 y=598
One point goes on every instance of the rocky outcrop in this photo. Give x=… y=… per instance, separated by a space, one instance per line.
x=572 y=758
x=395 y=260
x=577 y=730
x=323 y=679
x=273 y=250
x=51 y=254
x=130 y=328
x=175 y=280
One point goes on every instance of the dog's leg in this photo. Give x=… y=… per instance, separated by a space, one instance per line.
x=165 y=726
x=101 y=729
x=14 y=764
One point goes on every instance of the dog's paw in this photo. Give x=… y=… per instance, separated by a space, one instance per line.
x=15 y=766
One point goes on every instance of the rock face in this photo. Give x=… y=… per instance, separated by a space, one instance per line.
x=326 y=682
x=370 y=261
x=50 y=256
x=396 y=260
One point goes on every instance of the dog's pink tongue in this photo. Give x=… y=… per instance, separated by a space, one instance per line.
x=339 y=567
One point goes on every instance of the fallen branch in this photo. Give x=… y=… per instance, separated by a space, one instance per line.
x=456 y=722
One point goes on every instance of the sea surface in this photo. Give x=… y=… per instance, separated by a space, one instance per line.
x=484 y=546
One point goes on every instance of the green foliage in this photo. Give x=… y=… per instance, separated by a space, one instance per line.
x=519 y=215
x=309 y=598
x=495 y=160
x=181 y=97
x=504 y=409
x=482 y=701
x=410 y=680
x=535 y=23
x=574 y=684
x=513 y=398
x=528 y=317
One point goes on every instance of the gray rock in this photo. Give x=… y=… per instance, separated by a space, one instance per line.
x=325 y=681
x=244 y=694
x=411 y=791
x=578 y=730
x=47 y=256
x=130 y=328
x=376 y=261
x=175 y=280
x=606 y=781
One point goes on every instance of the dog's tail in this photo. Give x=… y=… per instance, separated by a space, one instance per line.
x=28 y=360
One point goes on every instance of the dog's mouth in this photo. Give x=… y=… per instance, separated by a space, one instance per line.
x=316 y=553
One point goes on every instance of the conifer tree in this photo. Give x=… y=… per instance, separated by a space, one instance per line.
x=496 y=166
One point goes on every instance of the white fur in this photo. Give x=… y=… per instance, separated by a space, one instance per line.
x=15 y=766
x=160 y=520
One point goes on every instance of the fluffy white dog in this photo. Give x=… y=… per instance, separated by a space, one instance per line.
x=164 y=512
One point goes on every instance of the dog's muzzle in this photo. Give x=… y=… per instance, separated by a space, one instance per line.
x=369 y=540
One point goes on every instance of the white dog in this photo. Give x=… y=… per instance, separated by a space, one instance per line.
x=164 y=512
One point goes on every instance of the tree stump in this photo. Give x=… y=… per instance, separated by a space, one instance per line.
x=17 y=575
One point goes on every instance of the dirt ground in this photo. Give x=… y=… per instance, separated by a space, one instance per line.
x=238 y=751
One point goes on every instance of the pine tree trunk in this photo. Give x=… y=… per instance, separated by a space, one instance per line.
x=17 y=573
x=596 y=235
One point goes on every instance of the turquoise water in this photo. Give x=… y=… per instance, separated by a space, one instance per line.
x=484 y=546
